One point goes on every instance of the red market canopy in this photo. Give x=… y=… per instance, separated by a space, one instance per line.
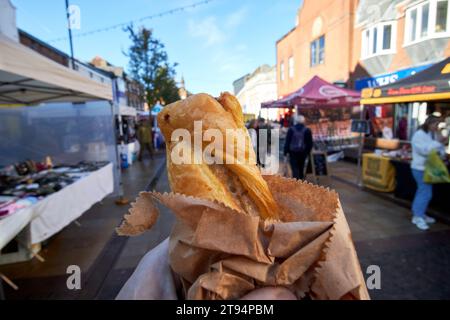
x=317 y=93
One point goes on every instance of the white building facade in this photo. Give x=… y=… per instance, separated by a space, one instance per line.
x=258 y=87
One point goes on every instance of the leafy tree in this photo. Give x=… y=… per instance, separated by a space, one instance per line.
x=149 y=64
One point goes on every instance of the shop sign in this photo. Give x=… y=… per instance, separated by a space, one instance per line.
x=402 y=91
x=387 y=78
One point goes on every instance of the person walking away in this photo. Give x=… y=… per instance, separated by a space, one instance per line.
x=298 y=145
x=423 y=142
x=145 y=139
x=262 y=145
x=252 y=130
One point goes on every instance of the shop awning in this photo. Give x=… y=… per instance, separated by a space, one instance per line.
x=317 y=93
x=26 y=77
x=430 y=84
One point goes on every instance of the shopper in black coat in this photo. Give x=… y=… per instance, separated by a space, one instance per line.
x=298 y=146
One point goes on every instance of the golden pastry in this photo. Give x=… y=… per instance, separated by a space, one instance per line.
x=239 y=185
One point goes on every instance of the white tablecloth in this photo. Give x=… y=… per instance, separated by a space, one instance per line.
x=56 y=211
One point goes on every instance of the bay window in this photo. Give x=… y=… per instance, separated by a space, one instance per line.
x=426 y=20
x=441 y=16
x=378 y=39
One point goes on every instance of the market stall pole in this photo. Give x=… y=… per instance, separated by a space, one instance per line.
x=361 y=127
x=28 y=78
x=127 y=149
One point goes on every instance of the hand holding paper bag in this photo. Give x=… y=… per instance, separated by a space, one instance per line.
x=237 y=231
x=154 y=280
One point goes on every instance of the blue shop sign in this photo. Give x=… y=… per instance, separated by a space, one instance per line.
x=387 y=78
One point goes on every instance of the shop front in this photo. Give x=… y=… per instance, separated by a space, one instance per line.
x=397 y=110
x=388 y=78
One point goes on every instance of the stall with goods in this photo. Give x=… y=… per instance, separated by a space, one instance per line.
x=402 y=108
x=47 y=199
x=237 y=230
x=48 y=111
x=328 y=110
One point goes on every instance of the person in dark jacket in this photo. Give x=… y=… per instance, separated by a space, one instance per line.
x=298 y=145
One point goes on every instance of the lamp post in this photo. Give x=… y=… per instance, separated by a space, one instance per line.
x=72 y=59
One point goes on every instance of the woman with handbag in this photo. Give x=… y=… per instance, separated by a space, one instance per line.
x=423 y=142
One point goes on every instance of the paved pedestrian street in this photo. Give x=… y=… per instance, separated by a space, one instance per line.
x=414 y=264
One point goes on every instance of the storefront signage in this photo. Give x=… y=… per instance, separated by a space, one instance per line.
x=402 y=91
x=387 y=78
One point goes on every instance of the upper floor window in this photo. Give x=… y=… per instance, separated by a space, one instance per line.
x=378 y=39
x=317 y=51
x=427 y=20
x=282 y=71
x=291 y=67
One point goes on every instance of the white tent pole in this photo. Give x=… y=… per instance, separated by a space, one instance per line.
x=122 y=200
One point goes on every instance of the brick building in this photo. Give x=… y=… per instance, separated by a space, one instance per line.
x=362 y=43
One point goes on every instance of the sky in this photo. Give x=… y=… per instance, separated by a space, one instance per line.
x=213 y=44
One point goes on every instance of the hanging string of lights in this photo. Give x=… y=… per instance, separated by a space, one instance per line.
x=123 y=24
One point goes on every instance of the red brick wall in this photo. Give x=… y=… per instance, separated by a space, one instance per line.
x=32 y=44
x=337 y=26
x=342 y=45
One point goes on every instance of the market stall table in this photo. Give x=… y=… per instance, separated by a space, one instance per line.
x=53 y=213
x=406 y=187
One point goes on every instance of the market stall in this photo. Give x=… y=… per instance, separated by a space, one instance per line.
x=28 y=78
x=151 y=117
x=328 y=110
x=50 y=199
x=50 y=111
x=401 y=108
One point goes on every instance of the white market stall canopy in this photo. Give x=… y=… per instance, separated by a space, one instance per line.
x=26 y=77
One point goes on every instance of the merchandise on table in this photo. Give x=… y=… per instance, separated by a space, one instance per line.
x=23 y=184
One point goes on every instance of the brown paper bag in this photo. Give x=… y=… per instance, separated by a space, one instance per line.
x=221 y=254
